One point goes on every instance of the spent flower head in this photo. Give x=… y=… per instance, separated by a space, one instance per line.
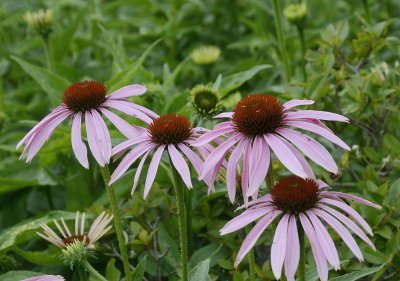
x=41 y=21
x=205 y=54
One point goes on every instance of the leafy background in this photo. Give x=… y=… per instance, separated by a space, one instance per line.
x=352 y=68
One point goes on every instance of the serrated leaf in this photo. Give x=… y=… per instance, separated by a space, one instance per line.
x=52 y=84
x=357 y=274
x=200 y=272
x=139 y=270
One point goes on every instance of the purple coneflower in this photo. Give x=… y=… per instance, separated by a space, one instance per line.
x=46 y=278
x=305 y=202
x=99 y=227
x=88 y=99
x=172 y=132
x=259 y=122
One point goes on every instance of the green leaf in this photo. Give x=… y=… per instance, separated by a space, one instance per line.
x=23 y=231
x=9 y=185
x=312 y=275
x=19 y=275
x=357 y=274
x=236 y=80
x=124 y=77
x=200 y=272
x=393 y=195
x=139 y=270
x=39 y=258
x=112 y=273
x=52 y=84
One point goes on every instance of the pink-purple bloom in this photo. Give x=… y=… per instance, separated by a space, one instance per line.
x=171 y=132
x=46 y=278
x=307 y=203
x=88 y=100
x=260 y=123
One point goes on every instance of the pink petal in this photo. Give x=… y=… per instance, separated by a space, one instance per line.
x=94 y=141
x=342 y=231
x=349 y=223
x=215 y=156
x=354 y=198
x=224 y=115
x=232 y=167
x=322 y=184
x=40 y=137
x=316 y=248
x=260 y=169
x=313 y=149
x=152 y=171
x=180 y=165
x=244 y=219
x=320 y=115
x=211 y=135
x=104 y=136
x=285 y=155
x=145 y=110
x=126 y=107
x=140 y=167
x=122 y=147
x=46 y=278
x=124 y=127
x=278 y=248
x=78 y=146
x=254 y=234
x=129 y=159
x=295 y=102
x=325 y=240
x=350 y=211
x=245 y=171
x=317 y=130
x=128 y=91
x=264 y=199
x=292 y=255
x=223 y=125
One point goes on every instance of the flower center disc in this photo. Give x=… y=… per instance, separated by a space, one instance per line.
x=85 y=95
x=71 y=239
x=170 y=129
x=295 y=195
x=258 y=114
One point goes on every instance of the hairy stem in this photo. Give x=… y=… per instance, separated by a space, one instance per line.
x=180 y=202
x=278 y=25
x=117 y=220
x=250 y=255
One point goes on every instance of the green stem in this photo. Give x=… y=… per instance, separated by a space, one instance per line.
x=82 y=273
x=367 y=12
x=303 y=50
x=48 y=54
x=188 y=215
x=279 y=32
x=1 y=95
x=94 y=272
x=269 y=179
x=117 y=220
x=250 y=256
x=182 y=221
x=302 y=264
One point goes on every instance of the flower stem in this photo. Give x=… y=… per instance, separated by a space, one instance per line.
x=117 y=220
x=250 y=256
x=303 y=50
x=48 y=54
x=188 y=215
x=278 y=25
x=82 y=273
x=269 y=179
x=94 y=272
x=302 y=264
x=182 y=221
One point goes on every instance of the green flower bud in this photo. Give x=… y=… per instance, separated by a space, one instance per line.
x=205 y=100
x=205 y=54
x=7 y=263
x=41 y=21
x=76 y=253
x=296 y=13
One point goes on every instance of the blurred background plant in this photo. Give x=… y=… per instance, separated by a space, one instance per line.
x=343 y=54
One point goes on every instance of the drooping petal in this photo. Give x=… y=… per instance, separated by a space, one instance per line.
x=325 y=240
x=295 y=102
x=354 y=198
x=322 y=184
x=103 y=135
x=215 y=156
x=245 y=171
x=43 y=135
x=124 y=127
x=258 y=168
x=244 y=219
x=211 y=135
x=223 y=125
x=292 y=255
x=349 y=223
x=78 y=146
x=278 y=248
x=232 y=167
x=320 y=115
x=145 y=110
x=140 y=167
x=316 y=248
x=152 y=171
x=327 y=134
x=264 y=199
x=342 y=231
x=350 y=211
x=128 y=91
x=284 y=155
x=94 y=141
x=224 y=115
x=126 y=107
x=313 y=149
x=254 y=234
x=180 y=165
x=124 y=146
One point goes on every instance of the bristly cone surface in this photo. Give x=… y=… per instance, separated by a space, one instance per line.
x=170 y=129
x=85 y=95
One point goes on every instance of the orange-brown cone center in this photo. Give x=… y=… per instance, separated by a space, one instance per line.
x=170 y=129
x=85 y=95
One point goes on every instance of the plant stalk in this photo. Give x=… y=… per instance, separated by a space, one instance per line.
x=250 y=255
x=302 y=263
x=180 y=202
x=117 y=220
x=278 y=25
x=82 y=273
x=188 y=215
x=48 y=54
x=94 y=272
x=303 y=50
